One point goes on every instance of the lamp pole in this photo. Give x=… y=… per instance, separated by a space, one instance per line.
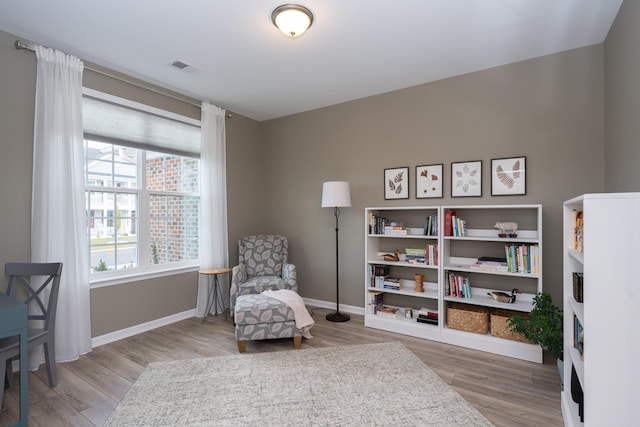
x=337 y=316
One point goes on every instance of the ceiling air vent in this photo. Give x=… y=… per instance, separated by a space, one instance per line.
x=187 y=68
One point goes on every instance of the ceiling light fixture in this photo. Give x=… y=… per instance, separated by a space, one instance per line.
x=292 y=19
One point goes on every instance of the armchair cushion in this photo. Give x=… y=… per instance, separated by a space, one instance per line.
x=261 y=284
x=256 y=309
x=263 y=255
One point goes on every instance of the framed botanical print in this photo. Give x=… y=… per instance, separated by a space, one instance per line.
x=466 y=179
x=508 y=176
x=396 y=183
x=429 y=181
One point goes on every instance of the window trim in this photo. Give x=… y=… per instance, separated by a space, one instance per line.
x=103 y=282
x=150 y=272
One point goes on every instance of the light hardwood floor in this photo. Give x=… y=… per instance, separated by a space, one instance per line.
x=507 y=391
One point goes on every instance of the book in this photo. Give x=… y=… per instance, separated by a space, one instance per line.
x=522 y=258
x=578 y=231
x=577 y=286
x=392 y=231
x=375 y=300
x=427 y=320
x=457 y=285
x=490 y=267
x=431 y=225
x=489 y=260
x=430 y=312
x=419 y=251
x=394 y=284
x=425 y=317
x=578 y=335
x=386 y=310
x=372 y=223
x=448 y=222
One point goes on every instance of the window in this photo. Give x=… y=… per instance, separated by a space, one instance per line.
x=142 y=199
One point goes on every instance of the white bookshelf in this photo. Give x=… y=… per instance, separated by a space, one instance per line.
x=455 y=254
x=607 y=370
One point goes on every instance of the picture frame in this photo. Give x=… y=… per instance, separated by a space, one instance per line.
x=508 y=176
x=466 y=179
x=429 y=181
x=396 y=183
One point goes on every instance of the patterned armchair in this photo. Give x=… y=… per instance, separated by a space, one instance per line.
x=262 y=265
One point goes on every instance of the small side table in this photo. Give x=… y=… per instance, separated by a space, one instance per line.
x=216 y=296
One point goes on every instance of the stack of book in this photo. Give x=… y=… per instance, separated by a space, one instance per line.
x=392 y=283
x=428 y=255
x=486 y=263
x=416 y=256
x=387 y=310
x=428 y=315
x=394 y=229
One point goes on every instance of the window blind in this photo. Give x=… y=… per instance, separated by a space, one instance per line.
x=118 y=124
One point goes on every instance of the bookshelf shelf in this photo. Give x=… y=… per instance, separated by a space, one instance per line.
x=404 y=264
x=456 y=254
x=430 y=294
x=524 y=302
x=607 y=370
x=408 y=236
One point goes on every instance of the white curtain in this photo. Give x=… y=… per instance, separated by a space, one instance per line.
x=58 y=220
x=214 y=250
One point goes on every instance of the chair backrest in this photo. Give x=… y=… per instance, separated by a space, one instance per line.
x=263 y=255
x=35 y=278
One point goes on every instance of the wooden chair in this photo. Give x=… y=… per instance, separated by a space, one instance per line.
x=34 y=279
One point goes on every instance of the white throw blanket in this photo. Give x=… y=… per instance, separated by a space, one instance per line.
x=303 y=319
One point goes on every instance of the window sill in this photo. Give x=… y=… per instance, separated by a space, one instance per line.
x=120 y=280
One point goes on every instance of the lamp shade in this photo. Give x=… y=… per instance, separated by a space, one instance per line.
x=336 y=194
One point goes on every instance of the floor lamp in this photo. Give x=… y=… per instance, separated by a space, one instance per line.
x=336 y=195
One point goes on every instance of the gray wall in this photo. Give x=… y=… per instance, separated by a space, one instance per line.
x=17 y=92
x=549 y=109
x=622 y=100
x=122 y=306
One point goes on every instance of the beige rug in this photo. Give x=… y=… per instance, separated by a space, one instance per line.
x=361 y=385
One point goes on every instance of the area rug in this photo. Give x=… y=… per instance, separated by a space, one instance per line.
x=358 y=385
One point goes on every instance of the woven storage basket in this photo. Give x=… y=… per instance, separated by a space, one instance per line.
x=468 y=318
x=500 y=326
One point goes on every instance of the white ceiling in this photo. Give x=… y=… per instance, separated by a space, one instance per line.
x=354 y=49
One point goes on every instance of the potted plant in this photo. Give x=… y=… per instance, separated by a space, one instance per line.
x=542 y=326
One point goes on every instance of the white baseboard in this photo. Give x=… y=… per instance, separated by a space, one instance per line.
x=143 y=327
x=351 y=309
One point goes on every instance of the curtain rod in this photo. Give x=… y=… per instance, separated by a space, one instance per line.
x=24 y=46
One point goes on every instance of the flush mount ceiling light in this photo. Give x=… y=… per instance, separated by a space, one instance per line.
x=292 y=19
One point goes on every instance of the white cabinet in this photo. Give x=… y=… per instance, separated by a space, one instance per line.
x=607 y=368
x=377 y=243
x=481 y=239
x=456 y=255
